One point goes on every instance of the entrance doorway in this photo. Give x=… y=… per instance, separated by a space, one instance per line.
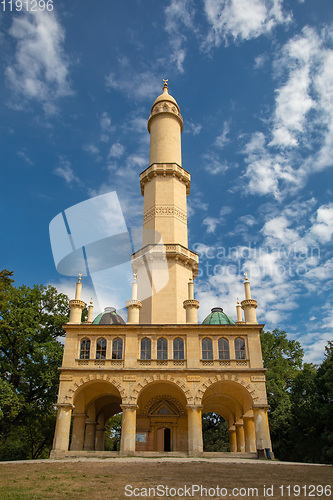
x=163 y=440
x=167 y=439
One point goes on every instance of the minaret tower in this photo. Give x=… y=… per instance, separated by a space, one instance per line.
x=165 y=184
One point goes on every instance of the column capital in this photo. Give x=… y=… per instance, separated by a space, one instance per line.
x=194 y=407
x=259 y=406
x=239 y=423
x=64 y=406
x=247 y=417
x=129 y=407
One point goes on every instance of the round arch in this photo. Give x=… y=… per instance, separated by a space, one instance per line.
x=229 y=394
x=161 y=417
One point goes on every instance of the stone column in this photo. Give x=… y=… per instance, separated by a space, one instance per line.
x=250 y=435
x=61 y=434
x=240 y=436
x=233 y=439
x=263 y=439
x=89 y=442
x=100 y=436
x=79 y=423
x=194 y=422
x=128 y=429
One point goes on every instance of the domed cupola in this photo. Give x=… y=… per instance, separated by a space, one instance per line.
x=108 y=317
x=217 y=317
x=165 y=103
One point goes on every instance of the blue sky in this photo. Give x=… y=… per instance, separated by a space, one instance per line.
x=254 y=81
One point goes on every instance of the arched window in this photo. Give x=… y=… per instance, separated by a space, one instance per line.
x=178 y=348
x=223 y=349
x=146 y=348
x=207 y=349
x=117 y=349
x=240 y=349
x=162 y=348
x=85 y=348
x=101 y=349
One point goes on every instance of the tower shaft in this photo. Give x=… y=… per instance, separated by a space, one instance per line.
x=165 y=264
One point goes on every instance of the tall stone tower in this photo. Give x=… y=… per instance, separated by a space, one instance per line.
x=162 y=369
x=165 y=185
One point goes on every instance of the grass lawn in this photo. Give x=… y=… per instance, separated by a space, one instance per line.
x=107 y=480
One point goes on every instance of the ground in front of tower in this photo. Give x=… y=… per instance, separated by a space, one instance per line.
x=138 y=478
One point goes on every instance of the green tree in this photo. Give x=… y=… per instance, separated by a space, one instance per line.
x=113 y=433
x=325 y=403
x=31 y=322
x=283 y=359
x=215 y=433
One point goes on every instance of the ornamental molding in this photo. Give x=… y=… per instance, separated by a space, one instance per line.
x=165 y=211
x=175 y=379
x=224 y=377
x=94 y=377
x=164 y=170
x=191 y=303
x=167 y=398
x=249 y=302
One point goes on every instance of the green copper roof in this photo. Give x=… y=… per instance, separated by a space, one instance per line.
x=108 y=317
x=217 y=317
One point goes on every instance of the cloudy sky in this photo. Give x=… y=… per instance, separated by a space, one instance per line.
x=254 y=81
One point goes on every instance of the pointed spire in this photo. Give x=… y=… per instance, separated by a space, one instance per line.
x=135 y=287
x=78 y=288
x=239 y=312
x=247 y=287
x=90 y=311
x=190 y=289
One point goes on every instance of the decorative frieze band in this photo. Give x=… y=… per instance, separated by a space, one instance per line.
x=165 y=211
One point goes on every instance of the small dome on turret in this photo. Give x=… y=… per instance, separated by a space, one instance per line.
x=108 y=317
x=165 y=96
x=217 y=317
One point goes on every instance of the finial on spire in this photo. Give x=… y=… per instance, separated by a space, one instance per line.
x=80 y=276
x=135 y=277
x=245 y=274
x=165 y=86
x=91 y=301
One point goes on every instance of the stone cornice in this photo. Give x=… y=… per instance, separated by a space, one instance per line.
x=164 y=169
x=180 y=254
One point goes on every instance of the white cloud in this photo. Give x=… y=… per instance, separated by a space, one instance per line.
x=260 y=61
x=65 y=171
x=136 y=86
x=106 y=127
x=241 y=19
x=211 y=224
x=178 y=17
x=322 y=228
x=278 y=229
x=192 y=128
x=300 y=139
x=116 y=150
x=213 y=165
x=40 y=67
x=91 y=148
x=25 y=157
x=222 y=140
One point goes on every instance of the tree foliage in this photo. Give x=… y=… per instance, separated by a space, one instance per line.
x=215 y=433
x=300 y=398
x=30 y=354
